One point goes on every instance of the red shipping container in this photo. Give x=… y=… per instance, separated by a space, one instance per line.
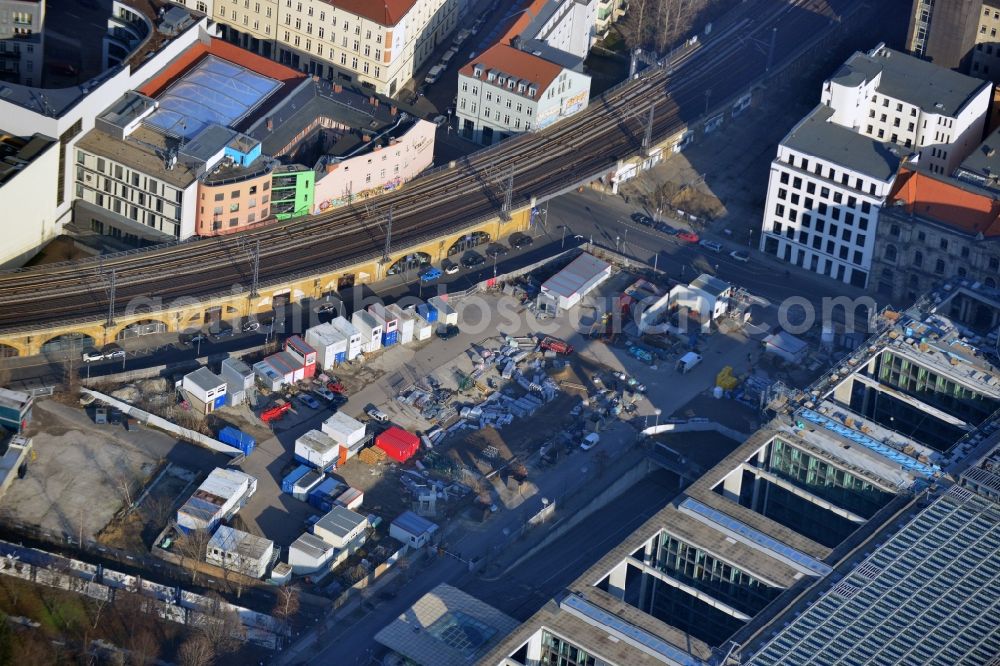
x=398 y=444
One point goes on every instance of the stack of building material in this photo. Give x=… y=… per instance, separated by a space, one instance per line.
x=372 y=456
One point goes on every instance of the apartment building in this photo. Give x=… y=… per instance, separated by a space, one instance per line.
x=170 y=160
x=957 y=34
x=608 y=11
x=507 y=91
x=22 y=41
x=834 y=169
x=376 y=44
x=936 y=227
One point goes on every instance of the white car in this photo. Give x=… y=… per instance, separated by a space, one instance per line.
x=711 y=245
x=440 y=120
x=377 y=414
x=450 y=267
x=93 y=357
x=590 y=441
x=740 y=255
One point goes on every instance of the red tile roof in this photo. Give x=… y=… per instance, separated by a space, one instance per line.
x=516 y=63
x=383 y=12
x=947 y=203
x=526 y=16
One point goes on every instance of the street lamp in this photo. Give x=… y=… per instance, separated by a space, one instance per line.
x=750 y=238
x=563 y=245
x=494 y=266
x=657 y=411
x=617 y=243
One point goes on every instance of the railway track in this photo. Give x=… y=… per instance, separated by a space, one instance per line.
x=586 y=144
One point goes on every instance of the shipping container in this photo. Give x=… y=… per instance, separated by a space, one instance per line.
x=237 y=439
x=427 y=312
x=293 y=477
x=354 y=338
x=398 y=444
x=330 y=343
x=405 y=327
x=445 y=313
x=343 y=429
x=302 y=487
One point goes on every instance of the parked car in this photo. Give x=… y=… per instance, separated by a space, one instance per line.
x=496 y=250
x=440 y=120
x=450 y=267
x=711 y=245
x=336 y=386
x=521 y=240
x=665 y=228
x=473 y=259
x=643 y=219
x=113 y=352
x=430 y=274
x=326 y=308
x=447 y=332
x=376 y=414
x=223 y=332
x=308 y=401
x=93 y=357
x=740 y=255
x=325 y=393
x=688 y=236
x=590 y=441
x=250 y=326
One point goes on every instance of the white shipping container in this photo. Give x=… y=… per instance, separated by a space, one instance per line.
x=329 y=343
x=422 y=330
x=300 y=490
x=370 y=330
x=344 y=430
x=405 y=323
x=316 y=448
x=446 y=313
x=355 y=342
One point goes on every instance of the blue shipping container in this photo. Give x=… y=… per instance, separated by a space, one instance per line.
x=220 y=402
x=238 y=439
x=341 y=357
x=429 y=313
x=389 y=339
x=289 y=481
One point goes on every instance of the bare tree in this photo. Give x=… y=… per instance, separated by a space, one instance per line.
x=144 y=648
x=192 y=546
x=197 y=650
x=287 y=604
x=221 y=625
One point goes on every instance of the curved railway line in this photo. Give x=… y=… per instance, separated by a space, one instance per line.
x=584 y=145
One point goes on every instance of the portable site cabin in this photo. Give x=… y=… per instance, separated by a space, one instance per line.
x=239 y=381
x=287 y=366
x=309 y=554
x=346 y=431
x=422 y=328
x=330 y=344
x=205 y=390
x=370 y=330
x=446 y=313
x=267 y=376
x=389 y=322
x=317 y=448
x=355 y=342
x=405 y=327
x=303 y=353
x=240 y=551
x=218 y=497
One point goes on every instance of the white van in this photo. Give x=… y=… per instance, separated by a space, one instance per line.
x=590 y=441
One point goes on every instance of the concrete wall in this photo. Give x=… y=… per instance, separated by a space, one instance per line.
x=28 y=202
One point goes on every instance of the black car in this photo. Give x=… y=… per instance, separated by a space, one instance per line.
x=517 y=242
x=643 y=219
x=223 y=332
x=447 y=332
x=665 y=228
x=496 y=251
x=473 y=259
x=115 y=417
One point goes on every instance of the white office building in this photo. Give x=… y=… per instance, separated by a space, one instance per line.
x=835 y=168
